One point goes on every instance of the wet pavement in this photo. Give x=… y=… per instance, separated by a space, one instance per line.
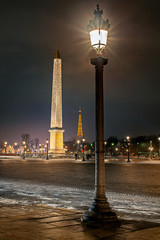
x=128 y=206
x=139 y=178
x=133 y=190
x=37 y=222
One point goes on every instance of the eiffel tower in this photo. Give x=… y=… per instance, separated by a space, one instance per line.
x=79 y=132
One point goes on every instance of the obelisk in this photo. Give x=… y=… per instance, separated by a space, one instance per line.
x=56 y=131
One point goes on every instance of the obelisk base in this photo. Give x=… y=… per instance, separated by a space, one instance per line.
x=56 y=142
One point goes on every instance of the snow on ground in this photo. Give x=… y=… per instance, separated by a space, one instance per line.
x=128 y=206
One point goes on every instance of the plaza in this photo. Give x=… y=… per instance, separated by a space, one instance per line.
x=94 y=185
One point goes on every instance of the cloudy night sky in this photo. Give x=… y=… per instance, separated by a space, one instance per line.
x=30 y=33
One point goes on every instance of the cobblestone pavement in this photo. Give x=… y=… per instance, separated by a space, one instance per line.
x=41 y=222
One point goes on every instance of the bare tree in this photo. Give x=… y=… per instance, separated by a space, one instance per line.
x=36 y=143
x=1 y=146
x=28 y=141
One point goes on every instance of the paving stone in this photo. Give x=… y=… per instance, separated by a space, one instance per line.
x=45 y=226
x=101 y=233
x=76 y=228
x=113 y=238
x=60 y=218
x=46 y=223
x=66 y=223
x=148 y=234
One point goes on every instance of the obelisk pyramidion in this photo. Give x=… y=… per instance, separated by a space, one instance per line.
x=56 y=131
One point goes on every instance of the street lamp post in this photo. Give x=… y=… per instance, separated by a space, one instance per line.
x=15 y=147
x=116 y=153
x=151 y=150
x=40 y=145
x=99 y=212
x=47 y=149
x=128 y=144
x=105 y=143
x=83 y=140
x=159 y=146
x=5 y=147
x=24 y=145
x=78 y=142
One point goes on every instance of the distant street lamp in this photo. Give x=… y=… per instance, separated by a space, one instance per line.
x=116 y=153
x=151 y=150
x=128 y=144
x=5 y=147
x=78 y=142
x=100 y=211
x=159 y=146
x=40 y=145
x=83 y=140
x=105 y=143
x=24 y=145
x=33 y=148
x=47 y=149
x=15 y=147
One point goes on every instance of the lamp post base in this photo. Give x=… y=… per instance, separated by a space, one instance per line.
x=100 y=213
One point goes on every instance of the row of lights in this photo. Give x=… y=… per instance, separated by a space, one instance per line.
x=24 y=145
x=78 y=142
x=128 y=147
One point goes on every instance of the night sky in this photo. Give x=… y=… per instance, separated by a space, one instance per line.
x=30 y=33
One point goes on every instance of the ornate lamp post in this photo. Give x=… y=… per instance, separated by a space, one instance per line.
x=100 y=211
x=47 y=149
x=128 y=143
x=5 y=146
x=83 y=140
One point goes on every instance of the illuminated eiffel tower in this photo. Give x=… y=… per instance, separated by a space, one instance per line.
x=79 y=132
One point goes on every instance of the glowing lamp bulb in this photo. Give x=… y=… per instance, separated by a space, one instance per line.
x=98 y=38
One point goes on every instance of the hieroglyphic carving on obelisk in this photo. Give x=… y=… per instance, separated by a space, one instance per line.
x=56 y=131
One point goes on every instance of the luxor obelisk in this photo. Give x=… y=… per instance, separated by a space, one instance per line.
x=56 y=131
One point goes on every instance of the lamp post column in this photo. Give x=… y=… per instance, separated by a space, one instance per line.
x=24 y=146
x=5 y=149
x=100 y=211
x=128 y=148
x=47 y=157
x=99 y=62
x=78 y=142
x=83 y=152
x=159 y=147
x=105 y=143
x=83 y=140
x=128 y=153
x=151 y=149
